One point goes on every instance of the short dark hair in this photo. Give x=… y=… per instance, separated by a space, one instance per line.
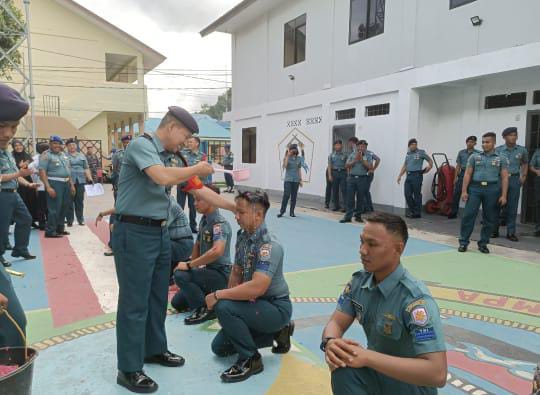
x=196 y=138
x=42 y=147
x=255 y=197
x=362 y=142
x=338 y=141
x=471 y=138
x=490 y=134
x=392 y=223
x=214 y=188
x=353 y=139
x=412 y=141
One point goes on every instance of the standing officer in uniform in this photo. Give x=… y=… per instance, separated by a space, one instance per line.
x=117 y=163
x=292 y=164
x=461 y=163
x=80 y=175
x=55 y=172
x=518 y=160
x=487 y=176
x=368 y=202
x=337 y=174
x=228 y=161
x=12 y=108
x=359 y=164
x=142 y=248
x=210 y=264
x=414 y=161
x=256 y=309
x=405 y=352
x=534 y=167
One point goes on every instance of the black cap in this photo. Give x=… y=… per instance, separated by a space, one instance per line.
x=185 y=118
x=364 y=142
x=70 y=141
x=509 y=130
x=126 y=138
x=471 y=138
x=412 y=141
x=12 y=106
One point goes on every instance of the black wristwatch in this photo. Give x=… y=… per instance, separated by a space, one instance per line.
x=324 y=343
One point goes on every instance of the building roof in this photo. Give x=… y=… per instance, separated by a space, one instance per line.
x=243 y=13
x=209 y=128
x=151 y=57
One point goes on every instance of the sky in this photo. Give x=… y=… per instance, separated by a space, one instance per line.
x=172 y=29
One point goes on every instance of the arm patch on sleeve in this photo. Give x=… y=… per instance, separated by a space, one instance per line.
x=424 y=334
x=265 y=252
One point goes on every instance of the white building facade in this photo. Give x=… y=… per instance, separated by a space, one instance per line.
x=384 y=71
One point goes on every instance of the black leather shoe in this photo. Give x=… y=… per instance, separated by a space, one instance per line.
x=537 y=233
x=416 y=216
x=452 y=216
x=512 y=237
x=292 y=215
x=166 y=359
x=52 y=235
x=4 y=262
x=137 y=382
x=194 y=231
x=483 y=249
x=343 y=210
x=462 y=249
x=283 y=339
x=25 y=255
x=243 y=369
x=70 y=224
x=494 y=235
x=9 y=247
x=358 y=219
x=280 y=215
x=63 y=233
x=326 y=206
x=344 y=221
x=408 y=215
x=199 y=316
x=81 y=223
x=34 y=225
x=335 y=209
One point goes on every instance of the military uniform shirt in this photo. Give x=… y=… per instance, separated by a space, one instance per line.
x=374 y=155
x=193 y=157
x=487 y=167
x=117 y=160
x=293 y=165
x=137 y=193
x=260 y=252
x=414 y=160
x=55 y=165
x=358 y=168
x=399 y=316
x=228 y=159
x=337 y=160
x=8 y=166
x=177 y=221
x=516 y=156
x=462 y=158
x=214 y=227
x=535 y=160
x=78 y=165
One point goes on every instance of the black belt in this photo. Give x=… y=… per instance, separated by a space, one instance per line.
x=415 y=172
x=183 y=238
x=8 y=190
x=484 y=183
x=132 y=219
x=514 y=175
x=355 y=176
x=338 y=169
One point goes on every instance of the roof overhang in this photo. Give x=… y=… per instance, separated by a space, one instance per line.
x=151 y=57
x=240 y=15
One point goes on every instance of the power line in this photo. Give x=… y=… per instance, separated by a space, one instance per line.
x=122 y=88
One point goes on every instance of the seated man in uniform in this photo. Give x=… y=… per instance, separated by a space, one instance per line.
x=256 y=309
x=405 y=351
x=210 y=265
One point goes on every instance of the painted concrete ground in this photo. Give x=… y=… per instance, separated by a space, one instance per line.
x=490 y=307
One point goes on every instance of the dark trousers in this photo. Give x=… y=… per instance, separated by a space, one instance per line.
x=248 y=326
x=77 y=202
x=328 y=192
x=357 y=187
x=229 y=178
x=9 y=336
x=13 y=209
x=509 y=212
x=41 y=208
x=339 y=188
x=486 y=196
x=290 y=190
x=29 y=197
x=180 y=251
x=197 y=283
x=368 y=203
x=537 y=199
x=142 y=256
x=181 y=199
x=57 y=207
x=364 y=381
x=413 y=192
x=456 y=197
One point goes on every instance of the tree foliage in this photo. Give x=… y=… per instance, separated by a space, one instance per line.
x=223 y=104
x=10 y=34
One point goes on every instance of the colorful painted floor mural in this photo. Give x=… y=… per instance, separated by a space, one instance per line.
x=490 y=307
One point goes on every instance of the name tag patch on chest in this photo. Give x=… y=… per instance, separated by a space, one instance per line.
x=424 y=334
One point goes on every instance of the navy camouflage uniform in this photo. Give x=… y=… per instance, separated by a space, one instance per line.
x=461 y=160
x=368 y=202
x=485 y=190
x=357 y=184
x=250 y=325
x=414 y=161
x=192 y=159
x=337 y=161
x=195 y=284
x=227 y=162
x=291 y=183
x=400 y=318
x=117 y=159
x=535 y=163
x=78 y=164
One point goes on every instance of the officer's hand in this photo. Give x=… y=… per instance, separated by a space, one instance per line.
x=502 y=201
x=399 y=180
x=464 y=196
x=3 y=301
x=98 y=219
x=203 y=169
x=25 y=172
x=51 y=192
x=359 y=360
x=182 y=266
x=522 y=179
x=23 y=164
x=330 y=179
x=301 y=184
x=210 y=300
x=339 y=353
x=33 y=185
x=73 y=191
x=427 y=170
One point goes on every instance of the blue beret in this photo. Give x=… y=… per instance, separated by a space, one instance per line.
x=12 y=106
x=185 y=118
x=509 y=130
x=56 y=139
x=126 y=138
